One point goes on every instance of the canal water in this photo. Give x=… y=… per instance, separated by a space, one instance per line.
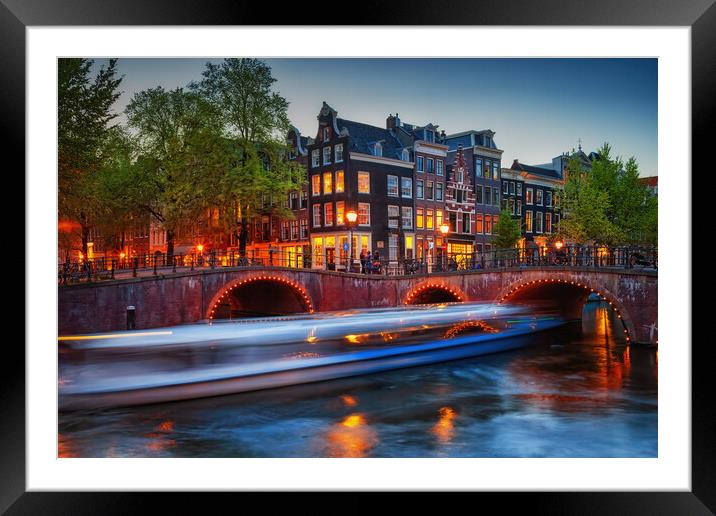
x=575 y=392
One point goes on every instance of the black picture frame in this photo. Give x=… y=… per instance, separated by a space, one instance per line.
x=700 y=15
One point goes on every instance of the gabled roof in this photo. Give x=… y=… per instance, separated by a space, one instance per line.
x=363 y=136
x=649 y=181
x=539 y=171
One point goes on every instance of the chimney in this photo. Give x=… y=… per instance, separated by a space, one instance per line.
x=392 y=121
x=516 y=164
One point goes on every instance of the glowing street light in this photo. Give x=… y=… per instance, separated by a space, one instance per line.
x=444 y=229
x=351 y=216
x=558 y=244
x=200 y=248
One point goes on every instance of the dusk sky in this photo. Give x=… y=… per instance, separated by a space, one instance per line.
x=538 y=108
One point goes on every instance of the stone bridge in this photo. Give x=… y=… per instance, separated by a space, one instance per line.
x=186 y=297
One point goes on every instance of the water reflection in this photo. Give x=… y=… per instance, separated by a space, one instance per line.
x=445 y=427
x=352 y=437
x=577 y=392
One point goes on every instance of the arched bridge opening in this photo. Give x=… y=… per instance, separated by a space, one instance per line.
x=429 y=293
x=568 y=298
x=260 y=296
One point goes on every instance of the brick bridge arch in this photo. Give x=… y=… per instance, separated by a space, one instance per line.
x=570 y=296
x=190 y=296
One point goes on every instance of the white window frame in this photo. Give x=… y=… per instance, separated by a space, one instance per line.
x=315 y=158
x=529 y=196
x=409 y=181
x=439 y=167
x=338 y=149
x=325 y=214
x=316 y=213
x=404 y=217
x=327 y=155
x=388 y=179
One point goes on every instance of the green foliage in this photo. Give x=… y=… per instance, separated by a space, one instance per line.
x=84 y=113
x=506 y=232
x=608 y=204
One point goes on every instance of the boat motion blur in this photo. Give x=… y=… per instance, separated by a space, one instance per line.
x=233 y=356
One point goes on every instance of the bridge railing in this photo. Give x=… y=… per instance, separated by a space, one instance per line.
x=103 y=268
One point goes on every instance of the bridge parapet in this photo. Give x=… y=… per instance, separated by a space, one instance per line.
x=189 y=296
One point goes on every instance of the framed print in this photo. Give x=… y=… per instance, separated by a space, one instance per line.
x=392 y=257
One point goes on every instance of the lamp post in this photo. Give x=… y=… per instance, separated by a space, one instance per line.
x=444 y=229
x=351 y=216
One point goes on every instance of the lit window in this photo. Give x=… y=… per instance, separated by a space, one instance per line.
x=478 y=223
x=528 y=197
x=419 y=218
x=327 y=183
x=438 y=218
x=340 y=210
x=547 y=222
x=528 y=221
x=316 y=184
x=364 y=182
x=429 y=220
x=363 y=214
x=328 y=214
x=340 y=186
x=488 y=225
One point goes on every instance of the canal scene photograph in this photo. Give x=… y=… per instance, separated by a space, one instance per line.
x=357 y=257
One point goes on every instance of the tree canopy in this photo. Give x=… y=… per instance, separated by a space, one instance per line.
x=608 y=204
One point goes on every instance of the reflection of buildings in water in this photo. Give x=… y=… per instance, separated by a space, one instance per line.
x=159 y=437
x=445 y=428
x=593 y=369
x=352 y=437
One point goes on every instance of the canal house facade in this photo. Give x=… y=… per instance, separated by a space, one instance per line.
x=363 y=168
x=482 y=159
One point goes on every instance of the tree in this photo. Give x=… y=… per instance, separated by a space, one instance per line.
x=507 y=231
x=254 y=118
x=607 y=204
x=84 y=113
x=179 y=145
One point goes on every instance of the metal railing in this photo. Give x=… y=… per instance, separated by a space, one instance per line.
x=104 y=268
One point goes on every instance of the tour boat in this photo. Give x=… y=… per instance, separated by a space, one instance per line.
x=218 y=358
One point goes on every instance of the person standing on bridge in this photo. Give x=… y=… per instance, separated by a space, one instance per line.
x=362 y=261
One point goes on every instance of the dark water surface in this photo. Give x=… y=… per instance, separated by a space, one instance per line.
x=574 y=392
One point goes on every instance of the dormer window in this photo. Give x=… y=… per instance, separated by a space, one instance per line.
x=377 y=149
x=406 y=155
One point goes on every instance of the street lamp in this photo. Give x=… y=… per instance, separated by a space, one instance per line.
x=444 y=229
x=558 y=245
x=351 y=216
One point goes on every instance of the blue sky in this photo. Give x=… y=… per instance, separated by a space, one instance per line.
x=538 y=108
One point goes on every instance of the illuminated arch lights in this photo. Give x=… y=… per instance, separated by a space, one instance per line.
x=298 y=288
x=521 y=286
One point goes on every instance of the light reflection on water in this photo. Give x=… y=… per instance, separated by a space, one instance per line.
x=577 y=392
